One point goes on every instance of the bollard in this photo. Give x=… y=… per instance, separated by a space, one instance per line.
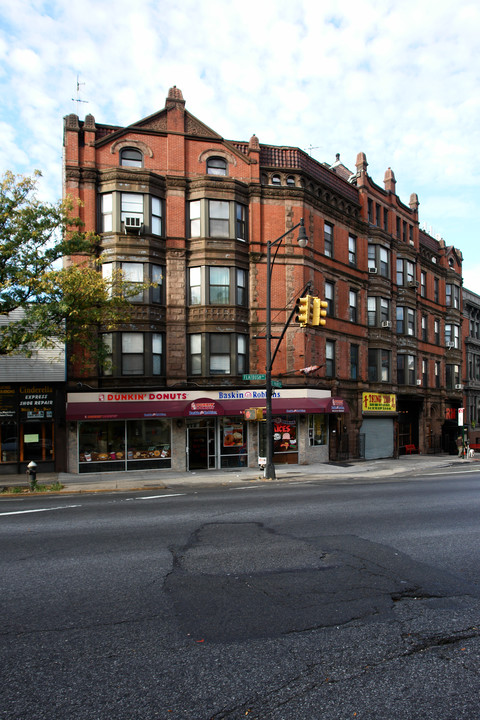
x=32 y=474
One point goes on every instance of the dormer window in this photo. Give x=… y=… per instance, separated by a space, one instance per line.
x=131 y=157
x=216 y=166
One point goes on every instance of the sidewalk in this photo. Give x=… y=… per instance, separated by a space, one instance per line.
x=349 y=471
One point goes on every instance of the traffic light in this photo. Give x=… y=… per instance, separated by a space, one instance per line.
x=319 y=311
x=304 y=312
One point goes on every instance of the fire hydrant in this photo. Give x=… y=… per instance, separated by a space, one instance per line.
x=32 y=474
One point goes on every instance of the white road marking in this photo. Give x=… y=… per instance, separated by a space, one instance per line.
x=23 y=512
x=154 y=497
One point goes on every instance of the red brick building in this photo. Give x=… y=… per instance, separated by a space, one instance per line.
x=177 y=205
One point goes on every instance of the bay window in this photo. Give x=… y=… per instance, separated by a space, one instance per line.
x=217 y=218
x=379 y=365
x=217 y=354
x=217 y=286
x=131 y=212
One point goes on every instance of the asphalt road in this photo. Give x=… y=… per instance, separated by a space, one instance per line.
x=297 y=601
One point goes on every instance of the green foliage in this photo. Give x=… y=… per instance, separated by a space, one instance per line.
x=61 y=301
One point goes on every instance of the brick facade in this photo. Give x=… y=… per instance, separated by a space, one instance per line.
x=387 y=278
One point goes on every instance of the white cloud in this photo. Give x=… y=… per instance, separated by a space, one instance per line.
x=397 y=81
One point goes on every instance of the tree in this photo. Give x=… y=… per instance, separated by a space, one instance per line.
x=50 y=271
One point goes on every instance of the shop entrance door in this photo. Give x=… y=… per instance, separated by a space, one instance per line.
x=201 y=448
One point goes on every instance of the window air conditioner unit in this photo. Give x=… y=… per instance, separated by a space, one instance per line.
x=413 y=283
x=372 y=270
x=411 y=242
x=458 y=387
x=133 y=222
x=419 y=382
x=386 y=324
x=450 y=345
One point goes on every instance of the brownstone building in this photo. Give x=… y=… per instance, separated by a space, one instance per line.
x=177 y=205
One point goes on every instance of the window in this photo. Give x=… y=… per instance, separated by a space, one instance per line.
x=218 y=354
x=157 y=353
x=378 y=214
x=452 y=376
x=423 y=284
x=134 y=273
x=328 y=239
x=157 y=279
x=405 y=321
x=241 y=289
x=132 y=209
x=378 y=260
x=405 y=272
x=194 y=208
x=317 y=429
x=130 y=157
x=241 y=221
x=378 y=365
x=217 y=218
x=425 y=328
x=241 y=354
x=378 y=311
x=107 y=368
x=132 y=353
x=291 y=181
x=436 y=331
x=106 y=205
x=353 y=306
x=385 y=219
x=370 y=211
x=329 y=297
x=452 y=293
x=276 y=180
x=437 y=374
x=216 y=166
x=452 y=335
x=436 y=292
x=157 y=216
x=406 y=373
x=352 y=250
x=195 y=286
x=425 y=372
x=217 y=286
x=330 y=358
x=354 y=355
x=398 y=226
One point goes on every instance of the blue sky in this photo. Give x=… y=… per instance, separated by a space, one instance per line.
x=396 y=80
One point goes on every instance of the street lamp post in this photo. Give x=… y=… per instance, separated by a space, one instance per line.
x=302 y=241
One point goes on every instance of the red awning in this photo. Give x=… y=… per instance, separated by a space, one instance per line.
x=204 y=407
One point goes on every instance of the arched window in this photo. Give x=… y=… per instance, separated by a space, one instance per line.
x=131 y=157
x=216 y=166
x=290 y=180
x=276 y=180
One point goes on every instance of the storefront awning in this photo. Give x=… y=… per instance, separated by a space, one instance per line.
x=202 y=407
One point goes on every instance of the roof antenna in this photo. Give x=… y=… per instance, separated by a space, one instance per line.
x=77 y=99
x=310 y=148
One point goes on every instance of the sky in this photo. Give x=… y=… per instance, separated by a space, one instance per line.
x=397 y=80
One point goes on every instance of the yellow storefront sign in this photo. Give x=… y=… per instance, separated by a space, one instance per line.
x=379 y=402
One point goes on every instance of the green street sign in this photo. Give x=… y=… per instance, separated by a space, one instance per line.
x=253 y=377
x=277 y=383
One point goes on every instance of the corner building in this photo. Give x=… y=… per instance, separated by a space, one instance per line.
x=178 y=206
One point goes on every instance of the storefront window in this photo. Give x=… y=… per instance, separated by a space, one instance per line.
x=8 y=442
x=233 y=442
x=284 y=439
x=317 y=429
x=120 y=445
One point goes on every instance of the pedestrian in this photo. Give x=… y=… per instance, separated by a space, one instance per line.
x=460 y=446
